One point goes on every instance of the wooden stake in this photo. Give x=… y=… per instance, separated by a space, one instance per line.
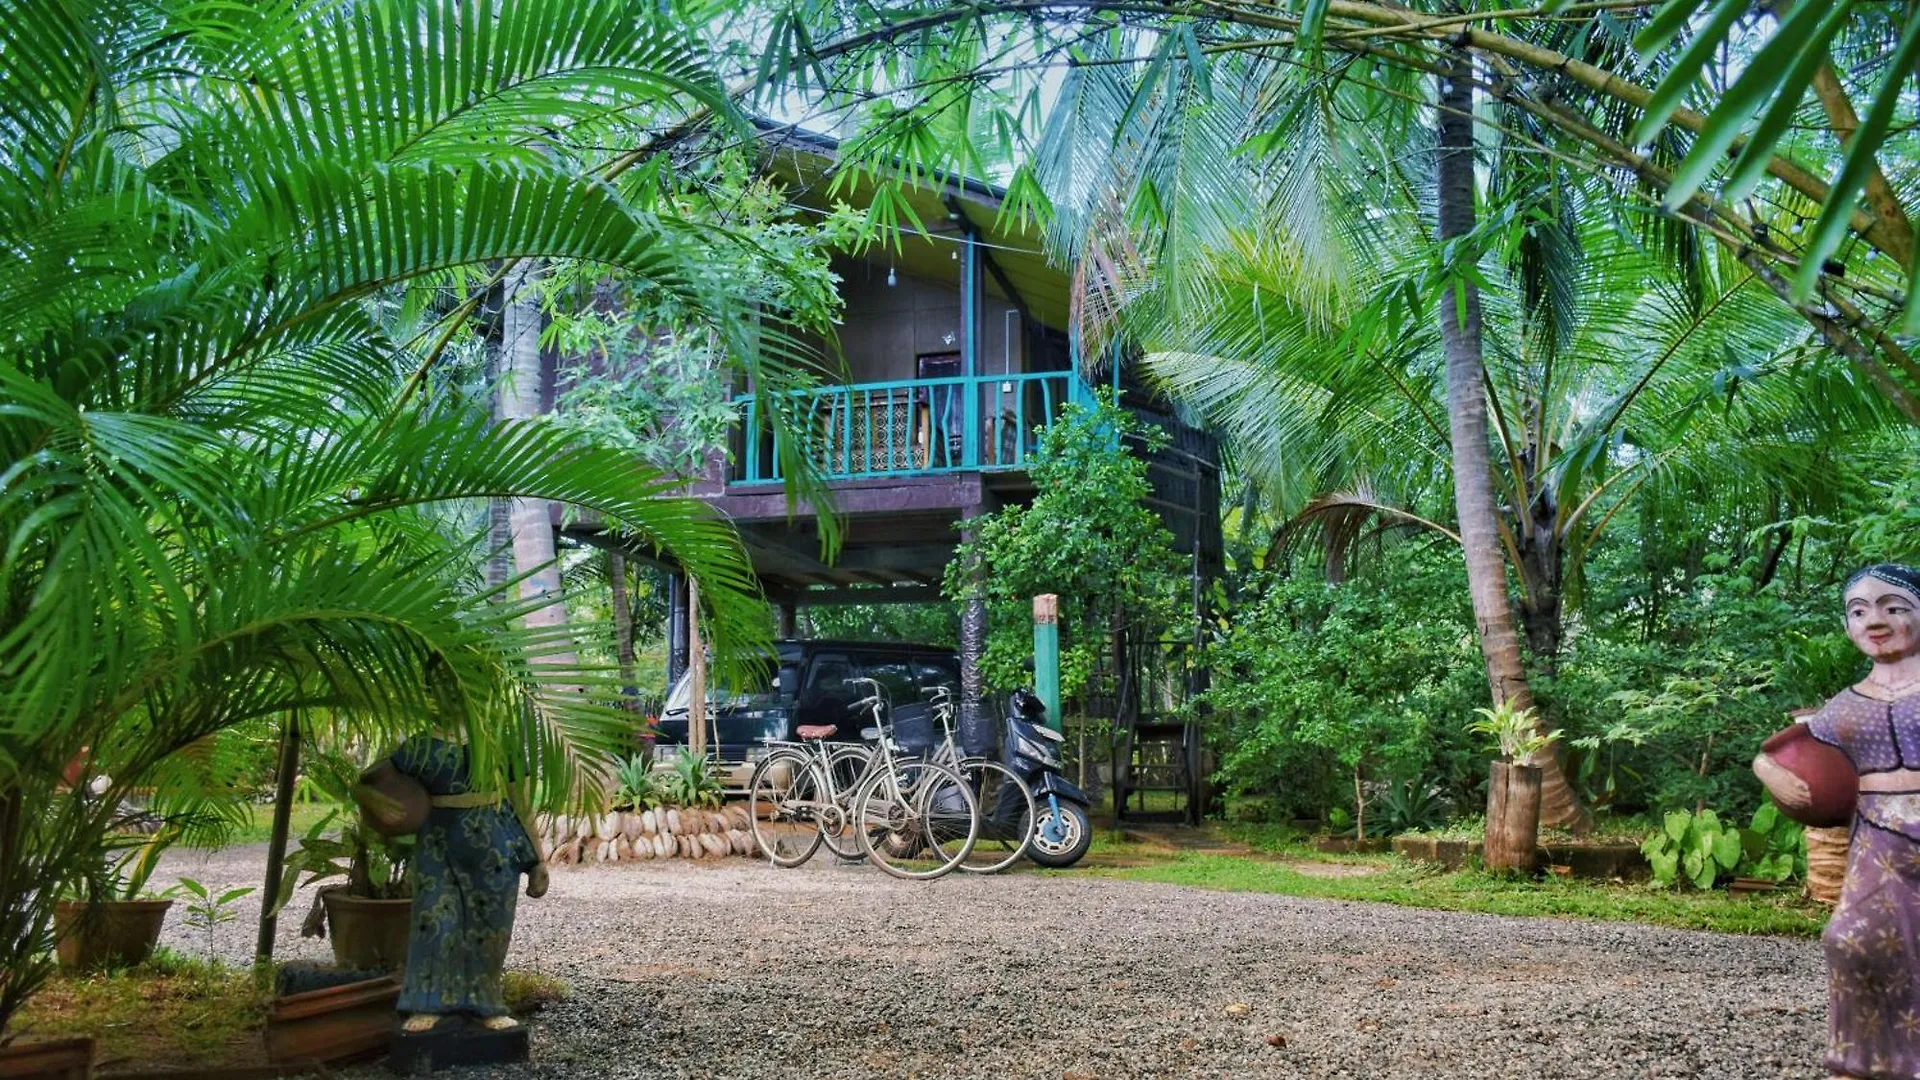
x=697 y=664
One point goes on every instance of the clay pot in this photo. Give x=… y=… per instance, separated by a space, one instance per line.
x=122 y=933
x=368 y=935
x=61 y=1059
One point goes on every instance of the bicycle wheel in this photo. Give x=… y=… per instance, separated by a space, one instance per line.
x=1007 y=811
x=786 y=790
x=917 y=820
x=848 y=763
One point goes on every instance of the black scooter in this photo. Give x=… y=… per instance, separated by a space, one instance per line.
x=1032 y=750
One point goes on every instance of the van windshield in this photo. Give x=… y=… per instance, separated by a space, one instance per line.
x=721 y=696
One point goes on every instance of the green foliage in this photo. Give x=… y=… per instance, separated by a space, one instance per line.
x=694 y=781
x=1515 y=732
x=1698 y=849
x=1669 y=717
x=1089 y=537
x=1773 y=847
x=638 y=787
x=373 y=864
x=1493 y=894
x=244 y=245
x=207 y=910
x=1692 y=848
x=927 y=624
x=1412 y=805
x=1312 y=680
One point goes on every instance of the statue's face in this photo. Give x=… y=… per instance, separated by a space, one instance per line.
x=1883 y=620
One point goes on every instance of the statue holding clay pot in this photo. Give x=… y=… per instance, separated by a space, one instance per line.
x=1873 y=941
x=472 y=846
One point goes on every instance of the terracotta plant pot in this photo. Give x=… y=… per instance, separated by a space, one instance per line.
x=368 y=935
x=121 y=934
x=62 y=1059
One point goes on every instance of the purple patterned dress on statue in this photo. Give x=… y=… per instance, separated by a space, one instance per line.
x=1873 y=942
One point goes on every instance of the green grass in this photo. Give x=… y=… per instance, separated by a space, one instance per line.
x=173 y=1010
x=530 y=991
x=259 y=826
x=1395 y=882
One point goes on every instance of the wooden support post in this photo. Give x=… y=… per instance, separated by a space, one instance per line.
x=789 y=617
x=1046 y=656
x=1513 y=816
x=697 y=664
x=277 y=841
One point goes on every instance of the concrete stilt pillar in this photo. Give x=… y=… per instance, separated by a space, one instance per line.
x=789 y=619
x=677 y=651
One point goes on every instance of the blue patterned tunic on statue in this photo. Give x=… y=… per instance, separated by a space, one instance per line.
x=467 y=863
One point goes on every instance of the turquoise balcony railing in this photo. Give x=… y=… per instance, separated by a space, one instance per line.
x=910 y=427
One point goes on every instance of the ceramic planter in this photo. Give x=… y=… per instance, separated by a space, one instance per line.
x=367 y=934
x=115 y=933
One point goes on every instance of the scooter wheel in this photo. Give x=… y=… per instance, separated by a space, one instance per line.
x=1060 y=845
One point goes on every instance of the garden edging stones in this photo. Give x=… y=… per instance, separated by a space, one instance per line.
x=666 y=832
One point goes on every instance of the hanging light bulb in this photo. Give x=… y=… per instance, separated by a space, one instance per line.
x=891 y=280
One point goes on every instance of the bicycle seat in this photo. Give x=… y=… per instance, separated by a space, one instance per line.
x=816 y=731
x=869 y=733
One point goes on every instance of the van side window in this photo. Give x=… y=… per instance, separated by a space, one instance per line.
x=930 y=671
x=895 y=675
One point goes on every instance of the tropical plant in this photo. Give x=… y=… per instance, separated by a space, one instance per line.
x=1415 y=804
x=372 y=864
x=234 y=461
x=1694 y=848
x=694 y=781
x=1774 y=847
x=636 y=787
x=1317 y=685
x=208 y=910
x=1515 y=732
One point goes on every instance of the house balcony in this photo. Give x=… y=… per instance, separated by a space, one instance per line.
x=908 y=428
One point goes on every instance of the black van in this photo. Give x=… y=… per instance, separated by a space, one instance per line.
x=812 y=683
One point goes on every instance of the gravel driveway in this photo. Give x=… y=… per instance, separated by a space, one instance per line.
x=741 y=971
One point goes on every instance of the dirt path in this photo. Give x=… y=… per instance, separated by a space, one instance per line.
x=741 y=971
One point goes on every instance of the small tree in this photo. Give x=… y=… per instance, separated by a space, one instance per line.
x=1088 y=536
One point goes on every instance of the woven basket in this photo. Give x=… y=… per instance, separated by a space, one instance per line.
x=1826 y=863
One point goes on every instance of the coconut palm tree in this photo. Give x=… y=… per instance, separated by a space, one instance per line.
x=228 y=491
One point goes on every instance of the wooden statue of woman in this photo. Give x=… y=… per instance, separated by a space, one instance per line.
x=1873 y=941
x=467 y=860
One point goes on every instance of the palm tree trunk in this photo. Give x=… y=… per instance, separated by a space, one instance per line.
x=1467 y=424
x=535 y=559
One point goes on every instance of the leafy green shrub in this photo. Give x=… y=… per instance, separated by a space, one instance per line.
x=1773 y=847
x=1700 y=850
x=1694 y=848
x=1089 y=536
x=1313 y=682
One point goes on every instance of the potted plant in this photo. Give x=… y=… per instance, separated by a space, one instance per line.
x=1513 y=786
x=112 y=920
x=366 y=909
